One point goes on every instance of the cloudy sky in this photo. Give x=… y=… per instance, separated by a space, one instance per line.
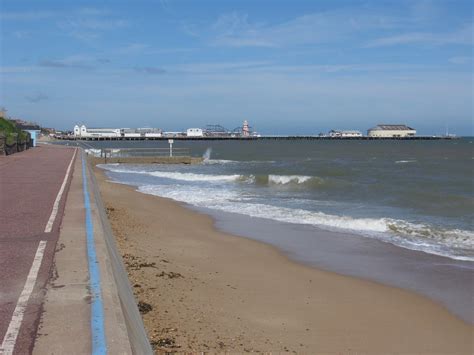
x=286 y=66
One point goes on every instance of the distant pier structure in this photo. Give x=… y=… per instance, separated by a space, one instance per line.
x=244 y=132
x=245 y=129
x=391 y=131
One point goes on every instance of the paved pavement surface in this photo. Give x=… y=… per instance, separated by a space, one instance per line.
x=29 y=184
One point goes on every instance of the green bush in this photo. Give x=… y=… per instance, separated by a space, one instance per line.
x=11 y=138
x=7 y=126
x=12 y=133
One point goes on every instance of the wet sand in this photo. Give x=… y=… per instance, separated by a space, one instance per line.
x=204 y=290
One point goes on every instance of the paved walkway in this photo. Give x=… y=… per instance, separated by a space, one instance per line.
x=33 y=189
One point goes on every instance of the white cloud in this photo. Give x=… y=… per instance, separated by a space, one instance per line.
x=75 y=61
x=85 y=24
x=235 y=30
x=90 y=27
x=460 y=60
x=17 y=69
x=132 y=48
x=218 y=67
x=266 y=94
x=461 y=36
x=92 y=24
x=26 y=15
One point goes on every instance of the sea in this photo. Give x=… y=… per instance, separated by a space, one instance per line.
x=396 y=212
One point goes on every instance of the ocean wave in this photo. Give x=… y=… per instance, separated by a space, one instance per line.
x=226 y=161
x=219 y=161
x=190 y=177
x=194 y=177
x=204 y=196
x=402 y=233
x=287 y=179
x=270 y=179
x=456 y=237
x=405 y=161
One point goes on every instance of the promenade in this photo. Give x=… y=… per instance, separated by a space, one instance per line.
x=33 y=185
x=62 y=285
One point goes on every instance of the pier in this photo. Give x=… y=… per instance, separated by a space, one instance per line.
x=261 y=138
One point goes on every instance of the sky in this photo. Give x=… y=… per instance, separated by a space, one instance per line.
x=288 y=67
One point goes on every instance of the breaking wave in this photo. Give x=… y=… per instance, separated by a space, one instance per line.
x=259 y=179
x=405 y=161
x=219 y=161
x=227 y=193
x=402 y=233
x=177 y=176
x=286 y=179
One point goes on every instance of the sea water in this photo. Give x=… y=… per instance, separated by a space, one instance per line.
x=414 y=194
x=396 y=212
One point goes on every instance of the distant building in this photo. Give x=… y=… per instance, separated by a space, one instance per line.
x=174 y=134
x=83 y=131
x=129 y=133
x=391 y=131
x=344 y=134
x=150 y=132
x=194 y=132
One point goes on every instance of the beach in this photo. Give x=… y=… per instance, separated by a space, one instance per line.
x=204 y=290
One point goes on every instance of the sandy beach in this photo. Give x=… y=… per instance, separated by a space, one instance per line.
x=203 y=290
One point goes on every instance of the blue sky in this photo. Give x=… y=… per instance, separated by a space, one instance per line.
x=286 y=66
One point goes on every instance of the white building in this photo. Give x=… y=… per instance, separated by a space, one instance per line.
x=150 y=132
x=129 y=133
x=391 y=131
x=153 y=134
x=77 y=131
x=194 y=132
x=344 y=134
x=83 y=131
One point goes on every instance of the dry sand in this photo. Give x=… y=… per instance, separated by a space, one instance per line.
x=214 y=292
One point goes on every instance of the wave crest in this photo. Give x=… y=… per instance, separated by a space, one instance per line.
x=287 y=179
x=190 y=177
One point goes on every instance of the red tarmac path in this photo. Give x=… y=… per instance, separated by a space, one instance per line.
x=29 y=184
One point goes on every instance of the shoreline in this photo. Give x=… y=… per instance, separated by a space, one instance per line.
x=212 y=291
x=428 y=275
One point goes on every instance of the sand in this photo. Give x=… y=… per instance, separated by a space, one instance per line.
x=203 y=290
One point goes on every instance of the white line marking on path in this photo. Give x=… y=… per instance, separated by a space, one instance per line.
x=9 y=340
x=54 y=212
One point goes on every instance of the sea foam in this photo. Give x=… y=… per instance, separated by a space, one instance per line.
x=223 y=193
x=286 y=179
x=402 y=233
